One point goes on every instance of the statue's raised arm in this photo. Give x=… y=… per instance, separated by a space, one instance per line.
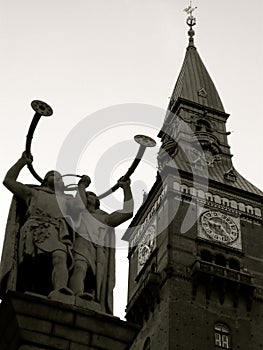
x=118 y=217
x=10 y=181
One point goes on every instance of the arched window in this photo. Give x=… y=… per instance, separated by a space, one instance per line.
x=234 y=264
x=147 y=344
x=233 y=204
x=209 y=197
x=249 y=209
x=201 y=194
x=241 y=206
x=184 y=189
x=217 y=199
x=220 y=260
x=225 y=202
x=258 y=212
x=203 y=126
x=206 y=255
x=222 y=336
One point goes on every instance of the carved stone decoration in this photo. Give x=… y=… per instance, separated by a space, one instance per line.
x=167 y=151
x=209 y=155
x=219 y=280
x=147 y=245
x=229 y=204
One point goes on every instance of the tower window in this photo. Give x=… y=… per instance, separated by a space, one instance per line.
x=147 y=344
x=206 y=255
x=203 y=126
x=220 y=260
x=222 y=336
x=234 y=264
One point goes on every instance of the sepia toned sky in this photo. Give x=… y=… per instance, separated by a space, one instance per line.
x=85 y=56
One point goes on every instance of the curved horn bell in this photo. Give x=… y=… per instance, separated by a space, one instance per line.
x=144 y=142
x=41 y=108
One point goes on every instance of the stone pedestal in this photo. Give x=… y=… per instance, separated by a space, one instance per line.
x=29 y=322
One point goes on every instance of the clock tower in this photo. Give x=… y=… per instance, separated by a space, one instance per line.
x=196 y=243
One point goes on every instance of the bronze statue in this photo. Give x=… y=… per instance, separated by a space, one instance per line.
x=41 y=242
x=41 y=246
x=56 y=244
x=93 y=275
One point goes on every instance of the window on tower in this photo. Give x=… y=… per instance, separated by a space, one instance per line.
x=234 y=264
x=220 y=260
x=206 y=255
x=222 y=336
x=147 y=344
x=203 y=126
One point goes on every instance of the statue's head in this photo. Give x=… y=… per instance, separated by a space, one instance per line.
x=93 y=200
x=53 y=180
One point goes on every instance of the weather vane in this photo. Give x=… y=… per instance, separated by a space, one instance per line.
x=191 y=20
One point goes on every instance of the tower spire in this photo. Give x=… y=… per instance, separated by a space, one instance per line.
x=191 y=21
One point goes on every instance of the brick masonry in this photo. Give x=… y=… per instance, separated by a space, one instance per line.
x=29 y=322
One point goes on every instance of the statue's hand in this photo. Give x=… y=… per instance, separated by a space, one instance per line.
x=125 y=183
x=85 y=180
x=27 y=157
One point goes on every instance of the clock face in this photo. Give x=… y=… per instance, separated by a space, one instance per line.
x=219 y=227
x=147 y=245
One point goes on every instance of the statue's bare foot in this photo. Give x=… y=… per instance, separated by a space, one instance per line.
x=63 y=290
x=86 y=296
x=66 y=290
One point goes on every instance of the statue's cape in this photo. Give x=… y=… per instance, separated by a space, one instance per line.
x=8 y=267
x=106 y=280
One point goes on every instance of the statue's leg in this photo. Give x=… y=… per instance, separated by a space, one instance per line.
x=76 y=283
x=60 y=270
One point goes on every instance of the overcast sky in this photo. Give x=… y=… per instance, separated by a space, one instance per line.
x=85 y=55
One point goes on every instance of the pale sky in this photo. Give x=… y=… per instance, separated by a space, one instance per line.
x=83 y=56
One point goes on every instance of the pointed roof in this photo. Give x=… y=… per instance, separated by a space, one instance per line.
x=194 y=83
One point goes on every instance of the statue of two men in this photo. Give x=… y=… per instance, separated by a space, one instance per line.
x=57 y=242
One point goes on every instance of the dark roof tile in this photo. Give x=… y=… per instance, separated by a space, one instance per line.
x=194 y=77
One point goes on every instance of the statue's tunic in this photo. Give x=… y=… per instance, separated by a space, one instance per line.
x=33 y=228
x=45 y=229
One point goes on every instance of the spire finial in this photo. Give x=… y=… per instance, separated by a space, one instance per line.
x=191 y=21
